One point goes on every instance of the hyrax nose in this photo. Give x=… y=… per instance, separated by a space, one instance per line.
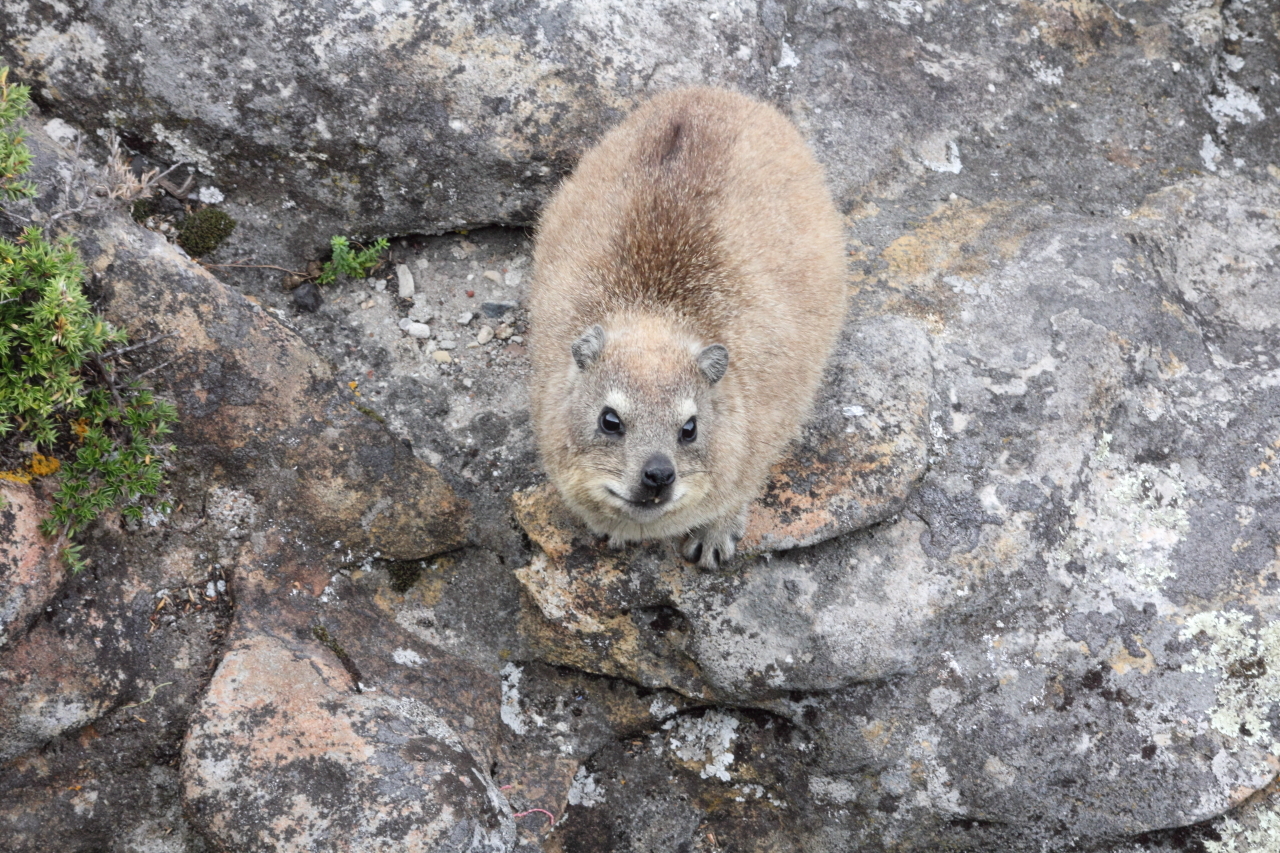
x=658 y=473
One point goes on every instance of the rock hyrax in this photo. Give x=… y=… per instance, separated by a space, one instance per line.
x=689 y=285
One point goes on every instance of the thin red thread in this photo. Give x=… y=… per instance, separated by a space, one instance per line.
x=544 y=811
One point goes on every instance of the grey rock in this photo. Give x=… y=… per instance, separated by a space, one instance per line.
x=405 y=280
x=307 y=297
x=495 y=309
x=1062 y=234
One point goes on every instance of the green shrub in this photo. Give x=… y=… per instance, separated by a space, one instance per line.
x=58 y=387
x=204 y=230
x=15 y=158
x=351 y=262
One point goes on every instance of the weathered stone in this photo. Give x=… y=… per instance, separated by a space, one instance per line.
x=293 y=750
x=29 y=569
x=1054 y=631
x=267 y=414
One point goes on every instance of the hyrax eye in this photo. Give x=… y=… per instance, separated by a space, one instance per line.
x=689 y=431
x=610 y=422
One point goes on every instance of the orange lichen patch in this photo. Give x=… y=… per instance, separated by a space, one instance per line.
x=43 y=466
x=80 y=427
x=937 y=245
x=39 y=466
x=957 y=242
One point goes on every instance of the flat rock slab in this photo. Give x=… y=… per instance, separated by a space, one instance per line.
x=30 y=572
x=262 y=412
x=290 y=753
x=863 y=451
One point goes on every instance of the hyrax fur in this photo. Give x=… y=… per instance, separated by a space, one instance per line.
x=689 y=286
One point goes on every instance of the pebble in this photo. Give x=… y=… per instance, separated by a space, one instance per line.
x=497 y=309
x=306 y=297
x=441 y=356
x=493 y=275
x=415 y=330
x=464 y=318
x=516 y=339
x=406 y=281
x=502 y=332
x=484 y=335
x=448 y=345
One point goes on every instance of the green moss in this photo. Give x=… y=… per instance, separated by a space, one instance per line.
x=327 y=640
x=204 y=230
x=142 y=208
x=404 y=574
x=370 y=413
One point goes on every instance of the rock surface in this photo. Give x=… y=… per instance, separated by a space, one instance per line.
x=1016 y=590
x=27 y=580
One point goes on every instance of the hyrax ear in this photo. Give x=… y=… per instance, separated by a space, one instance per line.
x=713 y=361
x=587 y=348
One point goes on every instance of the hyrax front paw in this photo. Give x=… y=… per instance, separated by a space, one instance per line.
x=715 y=544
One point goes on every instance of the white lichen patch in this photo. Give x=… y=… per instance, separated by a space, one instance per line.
x=705 y=741
x=828 y=790
x=923 y=765
x=407 y=657
x=1238 y=838
x=510 y=712
x=231 y=508
x=661 y=709
x=1247 y=661
x=1235 y=104
x=1133 y=516
x=585 y=790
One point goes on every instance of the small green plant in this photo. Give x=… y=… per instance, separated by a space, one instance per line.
x=204 y=230
x=350 y=262
x=58 y=388
x=15 y=158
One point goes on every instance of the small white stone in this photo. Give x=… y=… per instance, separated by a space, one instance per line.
x=502 y=332
x=441 y=356
x=466 y=383
x=516 y=339
x=406 y=281
x=484 y=335
x=493 y=275
x=448 y=345
x=464 y=318
x=418 y=330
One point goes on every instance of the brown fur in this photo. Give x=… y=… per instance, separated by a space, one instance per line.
x=702 y=219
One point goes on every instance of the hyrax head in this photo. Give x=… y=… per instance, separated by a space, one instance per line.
x=642 y=412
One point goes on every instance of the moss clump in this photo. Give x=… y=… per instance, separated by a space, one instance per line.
x=204 y=230
x=143 y=208
x=404 y=574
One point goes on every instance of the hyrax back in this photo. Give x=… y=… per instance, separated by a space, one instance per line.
x=689 y=285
